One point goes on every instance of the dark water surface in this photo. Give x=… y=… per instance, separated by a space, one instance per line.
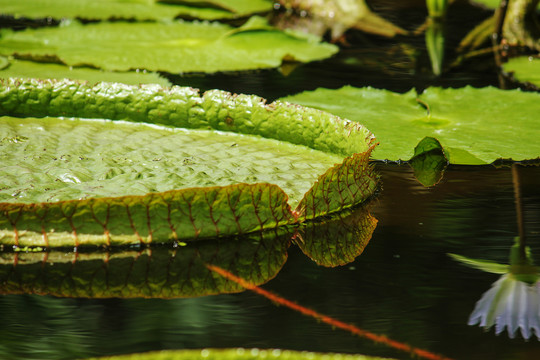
x=404 y=286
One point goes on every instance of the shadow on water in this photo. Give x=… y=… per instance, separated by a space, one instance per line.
x=404 y=285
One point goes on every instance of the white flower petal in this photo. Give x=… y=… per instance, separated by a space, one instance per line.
x=483 y=307
x=510 y=304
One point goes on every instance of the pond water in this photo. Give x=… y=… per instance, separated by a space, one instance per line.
x=404 y=285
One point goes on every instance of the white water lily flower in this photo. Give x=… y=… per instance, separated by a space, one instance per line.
x=510 y=304
x=513 y=302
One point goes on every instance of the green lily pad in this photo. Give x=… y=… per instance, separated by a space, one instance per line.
x=174 y=47
x=237 y=354
x=490 y=4
x=257 y=258
x=221 y=167
x=233 y=6
x=37 y=70
x=474 y=126
x=525 y=69
x=131 y=9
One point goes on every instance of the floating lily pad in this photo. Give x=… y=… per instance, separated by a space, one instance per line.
x=221 y=167
x=38 y=70
x=525 y=69
x=174 y=47
x=474 y=126
x=233 y=6
x=491 y=4
x=130 y=9
x=237 y=354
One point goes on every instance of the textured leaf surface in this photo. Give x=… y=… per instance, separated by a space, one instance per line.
x=524 y=69
x=337 y=241
x=129 y=9
x=340 y=187
x=65 y=185
x=238 y=354
x=51 y=159
x=172 y=47
x=160 y=272
x=38 y=70
x=187 y=214
x=474 y=126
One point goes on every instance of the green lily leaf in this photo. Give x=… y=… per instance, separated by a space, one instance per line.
x=31 y=69
x=127 y=274
x=174 y=47
x=221 y=167
x=525 y=69
x=474 y=126
x=4 y=62
x=131 y=9
x=233 y=6
x=490 y=4
x=428 y=162
x=337 y=241
x=236 y=354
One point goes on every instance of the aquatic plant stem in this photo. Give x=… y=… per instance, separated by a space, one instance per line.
x=496 y=36
x=519 y=212
x=382 y=339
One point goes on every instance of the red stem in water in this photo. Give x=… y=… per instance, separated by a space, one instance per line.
x=327 y=319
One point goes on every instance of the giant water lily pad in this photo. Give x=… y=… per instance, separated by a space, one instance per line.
x=222 y=165
x=237 y=354
x=525 y=69
x=131 y=9
x=174 y=47
x=473 y=126
x=39 y=70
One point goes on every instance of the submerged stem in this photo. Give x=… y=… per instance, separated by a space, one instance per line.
x=519 y=212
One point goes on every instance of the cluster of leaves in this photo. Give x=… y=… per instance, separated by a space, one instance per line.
x=88 y=45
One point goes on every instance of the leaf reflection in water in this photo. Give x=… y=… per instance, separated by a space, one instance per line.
x=180 y=271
